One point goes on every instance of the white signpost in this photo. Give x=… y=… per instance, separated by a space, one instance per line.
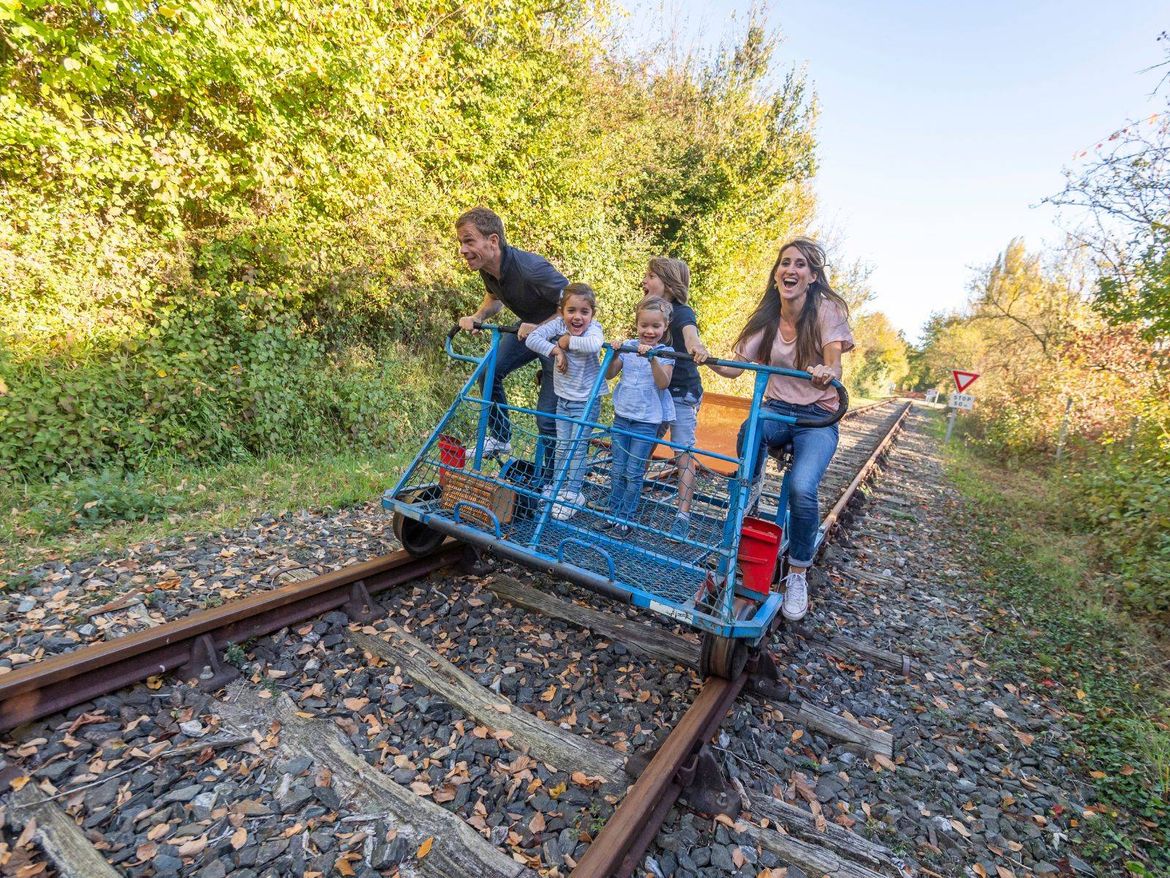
x=962 y=401
x=959 y=399
x=932 y=395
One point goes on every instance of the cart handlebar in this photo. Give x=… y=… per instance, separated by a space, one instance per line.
x=829 y=419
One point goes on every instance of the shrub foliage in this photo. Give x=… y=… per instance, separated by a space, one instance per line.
x=226 y=224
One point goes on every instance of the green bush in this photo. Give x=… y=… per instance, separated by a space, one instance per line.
x=97 y=500
x=1126 y=492
x=227 y=227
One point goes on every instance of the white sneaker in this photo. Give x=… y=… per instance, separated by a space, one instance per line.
x=561 y=512
x=795 y=596
x=493 y=447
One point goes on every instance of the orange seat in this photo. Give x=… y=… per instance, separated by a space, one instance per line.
x=720 y=417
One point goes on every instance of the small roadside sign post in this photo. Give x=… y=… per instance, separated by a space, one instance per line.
x=959 y=399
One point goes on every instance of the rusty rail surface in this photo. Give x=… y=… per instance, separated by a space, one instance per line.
x=619 y=847
x=623 y=841
x=195 y=642
x=863 y=473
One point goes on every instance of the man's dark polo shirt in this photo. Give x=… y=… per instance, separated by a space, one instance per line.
x=528 y=285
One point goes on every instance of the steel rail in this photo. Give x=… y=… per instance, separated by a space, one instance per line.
x=862 y=474
x=623 y=841
x=631 y=828
x=63 y=681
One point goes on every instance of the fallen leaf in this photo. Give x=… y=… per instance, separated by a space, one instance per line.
x=425 y=847
x=193 y=847
x=738 y=858
x=239 y=838
x=158 y=831
x=536 y=825
x=549 y=694
x=30 y=829
x=960 y=828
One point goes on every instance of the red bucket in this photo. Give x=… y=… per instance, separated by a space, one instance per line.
x=451 y=452
x=759 y=549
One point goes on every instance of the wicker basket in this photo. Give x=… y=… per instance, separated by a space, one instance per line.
x=473 y=487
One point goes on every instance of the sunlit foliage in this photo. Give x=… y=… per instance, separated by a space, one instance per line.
x=226 y=226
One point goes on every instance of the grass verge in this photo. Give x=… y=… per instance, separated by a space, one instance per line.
x=1062 y=626
x=108 y=511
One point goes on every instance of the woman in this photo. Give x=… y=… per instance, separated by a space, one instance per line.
x=671 y=279
x=800 y=323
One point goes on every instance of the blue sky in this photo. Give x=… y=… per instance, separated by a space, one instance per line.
x=944 y=124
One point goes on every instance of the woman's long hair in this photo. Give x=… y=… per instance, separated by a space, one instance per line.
x=766 y=318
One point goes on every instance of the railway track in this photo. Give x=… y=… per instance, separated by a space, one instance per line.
x=334 y=623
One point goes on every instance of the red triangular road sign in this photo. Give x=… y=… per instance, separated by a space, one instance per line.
x=963 y=380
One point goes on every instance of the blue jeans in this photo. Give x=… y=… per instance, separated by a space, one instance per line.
x=510 y=356
x=566 y=448
x=812 y=449
x=631 y=455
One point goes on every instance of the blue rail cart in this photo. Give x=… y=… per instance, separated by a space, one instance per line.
x=717 y=579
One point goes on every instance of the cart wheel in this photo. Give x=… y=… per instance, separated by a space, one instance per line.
x=723 y=656
x=416 y=537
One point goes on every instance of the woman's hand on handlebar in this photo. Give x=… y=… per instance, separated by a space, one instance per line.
x=822 y=375
x=699 y=354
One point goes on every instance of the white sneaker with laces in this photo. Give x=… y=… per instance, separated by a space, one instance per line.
x=493 y=447
x=561 y=512
x=795 y=597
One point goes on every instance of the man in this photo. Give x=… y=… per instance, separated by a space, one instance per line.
x=531 y=288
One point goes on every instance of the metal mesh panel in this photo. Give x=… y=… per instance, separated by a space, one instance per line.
x=513 y=493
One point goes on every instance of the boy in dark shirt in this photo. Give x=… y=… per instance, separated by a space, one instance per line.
x=531 y=288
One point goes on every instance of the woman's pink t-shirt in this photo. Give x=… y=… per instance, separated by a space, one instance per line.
x=834 y=327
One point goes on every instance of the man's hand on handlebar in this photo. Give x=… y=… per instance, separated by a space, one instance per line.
x=525 y=329
x=467 y=324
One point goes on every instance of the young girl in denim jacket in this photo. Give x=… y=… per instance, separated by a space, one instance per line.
x=641 y=403
x=573 y=340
